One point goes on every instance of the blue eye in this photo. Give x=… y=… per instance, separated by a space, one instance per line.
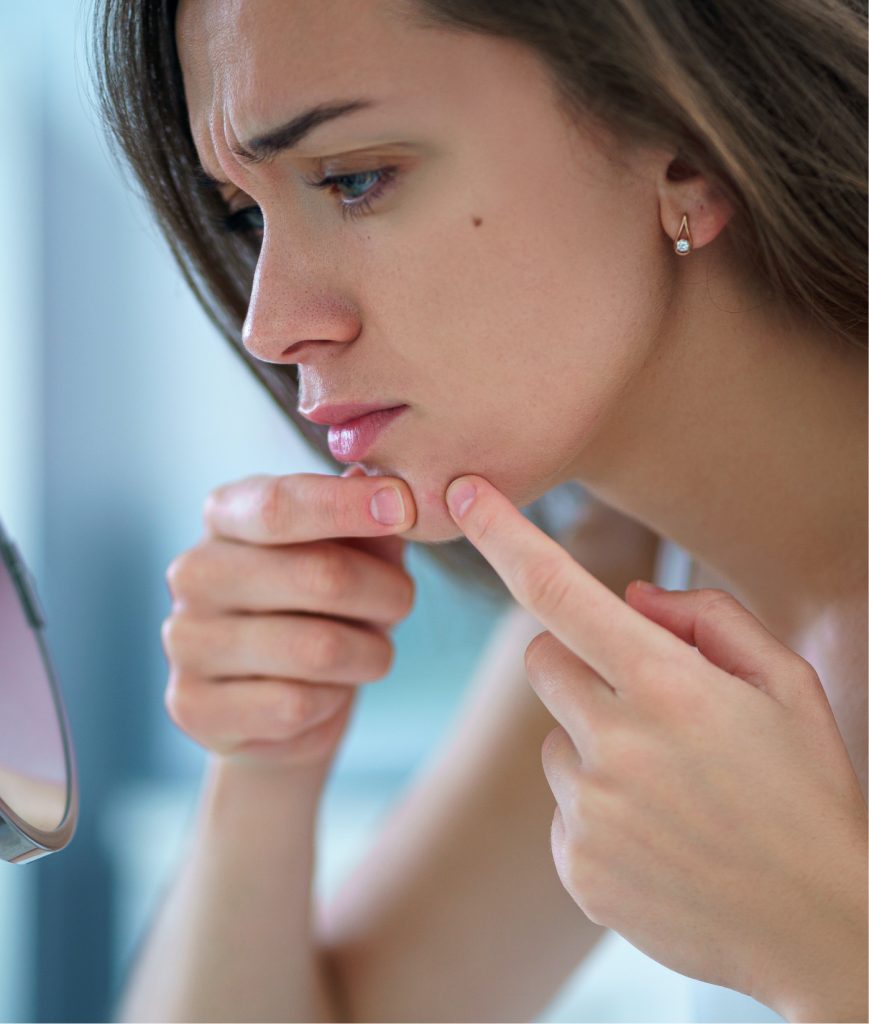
x=249 y=219
x=382 y=177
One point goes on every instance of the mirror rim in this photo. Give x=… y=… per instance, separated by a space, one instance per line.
x=20 y=840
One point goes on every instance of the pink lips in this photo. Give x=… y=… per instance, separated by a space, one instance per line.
x=351 y=441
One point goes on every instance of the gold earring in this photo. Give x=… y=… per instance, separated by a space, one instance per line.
x=682 y=244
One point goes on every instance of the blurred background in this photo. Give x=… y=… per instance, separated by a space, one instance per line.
x=120 y=408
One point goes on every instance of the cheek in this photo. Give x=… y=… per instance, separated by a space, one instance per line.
x=521 y=333
x=538 y=288
x=536 y=330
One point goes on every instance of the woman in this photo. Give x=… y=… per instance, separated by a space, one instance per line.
x=621 y=245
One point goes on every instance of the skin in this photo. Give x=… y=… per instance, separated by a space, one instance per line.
x=516 y=286
x=649 y=809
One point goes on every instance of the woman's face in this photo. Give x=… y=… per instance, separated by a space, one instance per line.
x=507 y=280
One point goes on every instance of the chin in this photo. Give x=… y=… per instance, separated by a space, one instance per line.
x=432 y=528
x=433 y=524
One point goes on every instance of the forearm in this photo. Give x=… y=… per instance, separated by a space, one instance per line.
x=456 y=913
x=232 y=941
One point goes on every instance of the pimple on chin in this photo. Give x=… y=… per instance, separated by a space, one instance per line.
x=434 y=499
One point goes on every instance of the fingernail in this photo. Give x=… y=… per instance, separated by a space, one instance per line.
x=387 y=506
x=652 y=588
x=460 y=497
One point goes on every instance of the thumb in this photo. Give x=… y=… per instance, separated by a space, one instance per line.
x=731 y=637
x=389 y=548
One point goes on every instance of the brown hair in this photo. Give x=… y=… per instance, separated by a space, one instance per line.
x=766 y=97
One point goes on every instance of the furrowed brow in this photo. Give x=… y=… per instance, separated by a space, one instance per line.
x=290 y=134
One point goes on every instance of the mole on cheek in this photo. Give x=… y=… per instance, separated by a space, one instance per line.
x=477 y=221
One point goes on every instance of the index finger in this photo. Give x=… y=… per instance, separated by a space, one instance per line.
x=268 y=509
x=583 y=613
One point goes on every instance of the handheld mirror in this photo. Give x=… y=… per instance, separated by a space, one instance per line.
x=38 y=783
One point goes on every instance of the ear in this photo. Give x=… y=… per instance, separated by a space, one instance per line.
x=683 y=189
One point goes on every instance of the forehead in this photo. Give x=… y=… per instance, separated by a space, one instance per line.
x=249 y=65
x=237 y=51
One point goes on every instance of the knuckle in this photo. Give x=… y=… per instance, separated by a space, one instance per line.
x=177 y=701
x=574 y=810
x=806 y=670
x=325 y=648
x=543 y=583
x=375 y=656
x=274 y=497
x=181 y=637
x=170 y=635
x=210 y=505
x=174 y=576
x=331 y=509
x=406 y=596
x=714 y=601
x=553 y=744
x=571 y=857
x=181 y=573
x=537 y=650
x=385 y=654
x=484 y=523
x=295 y=708
x=331 y=575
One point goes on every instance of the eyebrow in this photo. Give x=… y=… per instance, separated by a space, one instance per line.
x=286 y=136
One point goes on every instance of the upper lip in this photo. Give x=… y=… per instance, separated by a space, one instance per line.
x=336 y=415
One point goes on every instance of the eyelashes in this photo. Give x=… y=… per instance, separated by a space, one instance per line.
x=249 y=219
x=383 y=177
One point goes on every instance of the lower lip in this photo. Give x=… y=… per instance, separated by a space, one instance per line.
x=353 y=440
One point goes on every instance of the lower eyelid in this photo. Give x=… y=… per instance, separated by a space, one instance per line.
x=235 y=221
x=387 y=177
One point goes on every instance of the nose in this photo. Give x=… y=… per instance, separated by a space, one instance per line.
x=292 y=303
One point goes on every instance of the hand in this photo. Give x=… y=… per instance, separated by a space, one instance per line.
x=707 y=809
x=273 y=625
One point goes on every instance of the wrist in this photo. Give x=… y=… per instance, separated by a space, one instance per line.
x=829 y=972
x=254 y=796
x=248 y=775
x=848 y=1008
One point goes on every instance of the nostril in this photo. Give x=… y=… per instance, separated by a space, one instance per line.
x=294 y=348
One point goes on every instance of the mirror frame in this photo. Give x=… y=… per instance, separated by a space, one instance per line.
x=19 y=840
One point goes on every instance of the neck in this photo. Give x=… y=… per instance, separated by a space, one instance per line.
x=748 y=449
